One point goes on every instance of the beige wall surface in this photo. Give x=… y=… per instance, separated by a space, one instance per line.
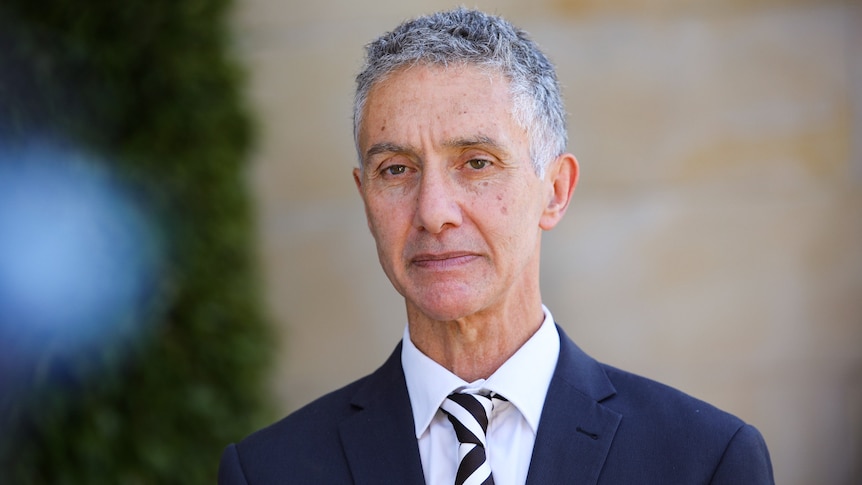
x=715 y=239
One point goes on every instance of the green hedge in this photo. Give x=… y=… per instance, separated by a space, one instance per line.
x=150 y=86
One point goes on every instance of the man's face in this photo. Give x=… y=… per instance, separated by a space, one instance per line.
x=450 y=194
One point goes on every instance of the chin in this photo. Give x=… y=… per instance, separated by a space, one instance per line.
x=445 y=308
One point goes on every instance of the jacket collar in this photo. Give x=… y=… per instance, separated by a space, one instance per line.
x=576 y=430
x=574 y=437
x=378 y=439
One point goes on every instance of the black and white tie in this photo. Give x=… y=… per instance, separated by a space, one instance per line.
x=469 y=415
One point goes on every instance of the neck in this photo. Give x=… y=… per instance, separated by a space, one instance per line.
x=475 y=346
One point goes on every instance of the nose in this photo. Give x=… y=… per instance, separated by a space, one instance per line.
x=438 y=206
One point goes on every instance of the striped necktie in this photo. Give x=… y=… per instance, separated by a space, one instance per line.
x=469 y=415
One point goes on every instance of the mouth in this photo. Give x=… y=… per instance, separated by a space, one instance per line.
x=447 y=260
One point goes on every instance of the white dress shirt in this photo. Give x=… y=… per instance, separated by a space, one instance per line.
x=523 y=380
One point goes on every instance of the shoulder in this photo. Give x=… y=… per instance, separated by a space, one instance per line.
x=637 y=396
x=659 y=422
x=306 y=445
x=303 y=445
x=662 y=435
x=314 y=421
x=643 y=403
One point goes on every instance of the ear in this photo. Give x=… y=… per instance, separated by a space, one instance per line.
x=357 y=178
x=561 y=177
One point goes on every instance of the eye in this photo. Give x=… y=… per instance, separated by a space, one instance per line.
x=478 y=163
x=395 y=170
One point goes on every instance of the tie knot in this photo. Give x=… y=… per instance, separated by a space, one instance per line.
x=469 y=410
x=470 y=413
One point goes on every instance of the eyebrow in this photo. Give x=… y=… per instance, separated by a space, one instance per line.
x=385 y=147
x=477 y=141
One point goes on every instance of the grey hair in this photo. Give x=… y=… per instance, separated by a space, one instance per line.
x=471 y=37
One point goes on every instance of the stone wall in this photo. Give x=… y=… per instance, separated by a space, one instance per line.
x=715 y=239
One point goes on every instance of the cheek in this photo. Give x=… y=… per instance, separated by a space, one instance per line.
x=504 y=208
x=387 y=224
x=515 y=219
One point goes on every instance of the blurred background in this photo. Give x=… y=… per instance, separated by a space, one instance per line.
x=715 y=239
x=133 y=339
x=227 y=275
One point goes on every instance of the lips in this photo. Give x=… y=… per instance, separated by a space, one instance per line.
x=440 y=261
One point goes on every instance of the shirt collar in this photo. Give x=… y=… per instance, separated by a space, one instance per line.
x=523 y=379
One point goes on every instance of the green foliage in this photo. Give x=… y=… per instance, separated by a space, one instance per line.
x=150 y=86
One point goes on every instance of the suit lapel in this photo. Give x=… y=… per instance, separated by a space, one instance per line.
x=575 y=431
x=379 y=440
x=574 y=436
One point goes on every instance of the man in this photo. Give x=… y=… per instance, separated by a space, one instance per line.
x=461 y=138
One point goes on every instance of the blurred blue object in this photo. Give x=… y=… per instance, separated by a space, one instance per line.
x=78 y=257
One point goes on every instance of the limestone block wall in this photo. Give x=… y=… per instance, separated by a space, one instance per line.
x=715 y=239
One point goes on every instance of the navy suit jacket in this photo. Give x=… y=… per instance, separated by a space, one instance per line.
x=599 y=425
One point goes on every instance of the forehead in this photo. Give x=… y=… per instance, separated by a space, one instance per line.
x=431 y=100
